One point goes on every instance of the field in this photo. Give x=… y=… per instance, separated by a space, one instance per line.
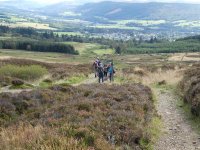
x=69 y=33
x=140 y=25
x=28 y=24
x=189 y=24
x=141 y=22
x=17 y=19
x=14 y=21
x=185 y=56
x=85 y=49
x=157 y=23
x=116 y=26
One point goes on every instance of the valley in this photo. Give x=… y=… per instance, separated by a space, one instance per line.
x=102 y=21
x=50 y=98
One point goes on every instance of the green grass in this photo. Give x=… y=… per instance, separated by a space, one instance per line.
x=90 y=49
x=28 y=73
x=75 y=79
x=103 y=51
x=120 y=80
x=164 y=87
x=24 y=86
x=154 y=131
x=45 y=84
x=83 y=47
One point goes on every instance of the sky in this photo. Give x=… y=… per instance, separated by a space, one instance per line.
x=174 y=1
x=82 y=1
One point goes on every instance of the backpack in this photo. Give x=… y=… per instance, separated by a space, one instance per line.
x=100 y=69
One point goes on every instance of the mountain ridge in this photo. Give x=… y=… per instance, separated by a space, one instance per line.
x=149 y=11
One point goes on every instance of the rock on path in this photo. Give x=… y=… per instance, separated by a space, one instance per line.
x=178 y=133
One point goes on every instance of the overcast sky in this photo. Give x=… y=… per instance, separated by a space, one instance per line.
x=178 y=1
x=78 y=1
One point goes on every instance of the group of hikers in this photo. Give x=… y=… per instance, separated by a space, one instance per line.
x=103 y=71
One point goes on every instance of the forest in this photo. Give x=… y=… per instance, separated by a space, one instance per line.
x=39 y=41
x=38 y=46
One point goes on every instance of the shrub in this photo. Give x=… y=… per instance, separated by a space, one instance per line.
x=85 y=107
x=28 y=73
x=17 y=82
x=7 y=109
x=47 y=80
x=190 y=89
x=163 y=82
x=98 y=116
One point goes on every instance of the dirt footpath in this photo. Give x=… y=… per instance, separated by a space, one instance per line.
x=178 y=133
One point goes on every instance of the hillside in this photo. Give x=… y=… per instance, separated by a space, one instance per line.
x=61 y=116
x=149 y=11
x=57 y=9
x=78 y=75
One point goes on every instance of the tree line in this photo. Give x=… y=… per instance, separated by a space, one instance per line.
x=38 y=46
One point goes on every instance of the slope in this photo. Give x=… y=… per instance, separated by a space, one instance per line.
x=149 y=11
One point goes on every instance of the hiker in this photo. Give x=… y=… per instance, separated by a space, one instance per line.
x=100 y=73
x=111 y=72
x=106 y=71
x=95 y=66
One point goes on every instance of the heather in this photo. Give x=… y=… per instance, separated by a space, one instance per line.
x=92 y=116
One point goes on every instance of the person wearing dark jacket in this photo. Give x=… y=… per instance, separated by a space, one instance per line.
x=101 y=73
x=95 y=66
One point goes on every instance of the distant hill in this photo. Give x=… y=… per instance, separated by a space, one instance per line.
x=108 y=10
x=150 y=11
x=56 y=9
